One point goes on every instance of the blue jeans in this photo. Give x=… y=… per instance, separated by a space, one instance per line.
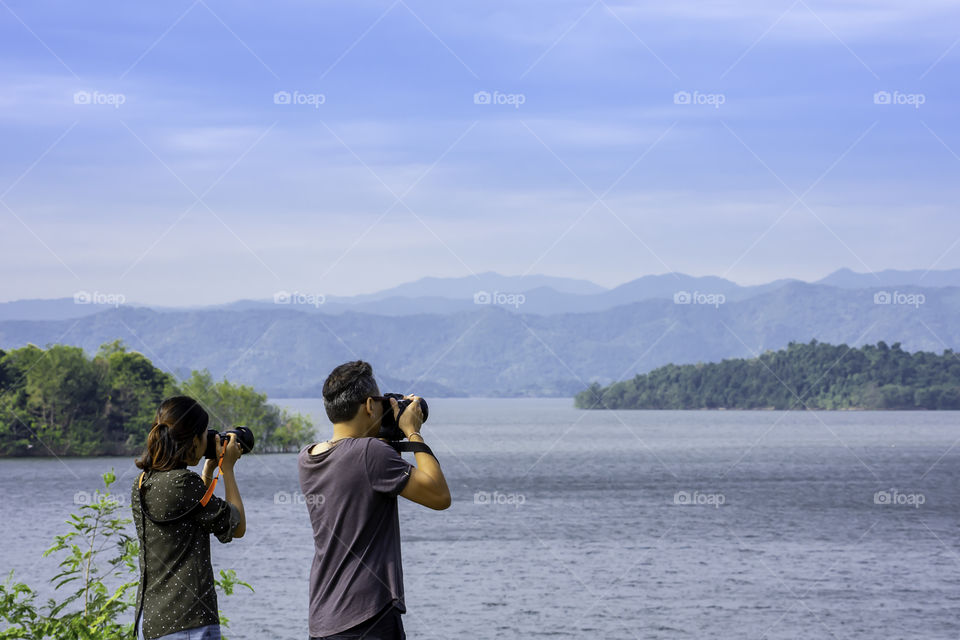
x=386 y=625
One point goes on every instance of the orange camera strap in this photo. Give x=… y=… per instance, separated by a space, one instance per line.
x=213 y=485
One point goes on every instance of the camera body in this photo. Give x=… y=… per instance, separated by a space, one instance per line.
x=244 y=437
x=389 y=429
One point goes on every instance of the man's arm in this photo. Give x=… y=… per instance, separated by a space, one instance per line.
x=427 y=484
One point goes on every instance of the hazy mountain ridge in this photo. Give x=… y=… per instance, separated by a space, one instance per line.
x=488 y=350
x=531 y=294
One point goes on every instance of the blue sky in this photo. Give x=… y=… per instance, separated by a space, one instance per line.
x=150 y=150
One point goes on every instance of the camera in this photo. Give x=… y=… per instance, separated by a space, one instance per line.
x=244 y=437
x=389 y=429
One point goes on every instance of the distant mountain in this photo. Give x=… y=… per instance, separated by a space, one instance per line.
x=542 y=300
x=52 y=309
x=533 y=294
x=464 y=287
x=426 y=295
x=666 y=285
x=892 y=278
x=489 y=351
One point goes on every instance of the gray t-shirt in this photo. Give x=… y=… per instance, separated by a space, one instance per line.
x=351 y=495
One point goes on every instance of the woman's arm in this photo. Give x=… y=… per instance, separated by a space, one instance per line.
x=230 y=487
x=209 y=468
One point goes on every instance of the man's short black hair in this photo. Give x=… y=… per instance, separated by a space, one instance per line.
x=346 y=388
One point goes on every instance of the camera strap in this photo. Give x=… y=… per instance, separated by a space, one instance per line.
x=202 y=503
x=213 y=485
x=416 y=447
x=143 y=507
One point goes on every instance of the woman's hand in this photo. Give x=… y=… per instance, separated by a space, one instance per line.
x=229 y=449
x=231 y=453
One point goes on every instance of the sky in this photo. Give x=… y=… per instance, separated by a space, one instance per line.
x=199 y=151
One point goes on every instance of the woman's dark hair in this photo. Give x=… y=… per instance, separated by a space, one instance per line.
x=178 y=421
x=346 y=388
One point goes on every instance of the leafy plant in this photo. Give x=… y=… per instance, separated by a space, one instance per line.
x=227 y=583
x=96 y=585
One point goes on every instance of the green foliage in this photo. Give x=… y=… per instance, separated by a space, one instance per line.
x=59 y=402
x=812 y=376
x=275 y=429
x=95 y=597
x=52 y=399
x=227 y=584
x=135 y=389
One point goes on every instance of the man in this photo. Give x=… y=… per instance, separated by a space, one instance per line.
x=350 y=484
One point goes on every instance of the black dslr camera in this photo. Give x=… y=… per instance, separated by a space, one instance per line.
x=244 y=437
x=389 y=429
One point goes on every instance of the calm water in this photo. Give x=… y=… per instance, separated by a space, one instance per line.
x=611 y=525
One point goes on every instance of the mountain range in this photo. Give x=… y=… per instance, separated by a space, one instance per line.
x=494 y=335
x=541 y=294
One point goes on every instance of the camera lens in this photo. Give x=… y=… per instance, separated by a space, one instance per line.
x=244 y=438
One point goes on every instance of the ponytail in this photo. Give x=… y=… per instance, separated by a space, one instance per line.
x=179 y=420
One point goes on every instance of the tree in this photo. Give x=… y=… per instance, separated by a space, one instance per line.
x=65 y=399
x=59 y=402
x=240 y=405
x=135 y=388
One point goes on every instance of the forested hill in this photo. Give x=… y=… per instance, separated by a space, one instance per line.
x=812 y=376
x=59 y=401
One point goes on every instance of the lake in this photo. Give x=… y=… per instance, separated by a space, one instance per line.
x=627 y=524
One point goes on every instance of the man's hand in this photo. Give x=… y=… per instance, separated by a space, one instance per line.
x=426 y=485
x=412 y=418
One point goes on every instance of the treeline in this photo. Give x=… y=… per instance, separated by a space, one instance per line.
x=813 y=376
x=58 y=401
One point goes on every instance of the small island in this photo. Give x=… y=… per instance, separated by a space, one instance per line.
x=802 y=376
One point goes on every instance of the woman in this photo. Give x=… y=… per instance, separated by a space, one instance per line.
x=177 y=598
